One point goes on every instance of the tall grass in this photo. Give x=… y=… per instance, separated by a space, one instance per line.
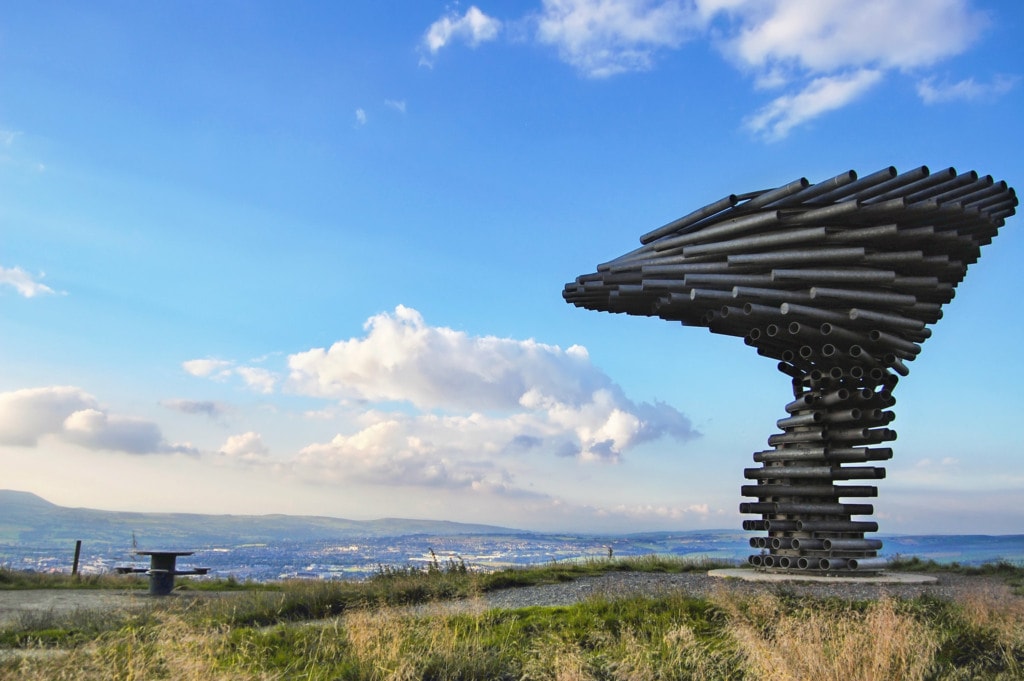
x=317 y=631
x=17 y=579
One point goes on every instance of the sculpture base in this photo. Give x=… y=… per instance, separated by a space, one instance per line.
x=755 y=575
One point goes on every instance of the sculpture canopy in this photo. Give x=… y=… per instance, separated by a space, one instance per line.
x=870 y=261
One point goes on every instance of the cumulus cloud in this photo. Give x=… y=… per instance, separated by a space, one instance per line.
x=214 y=410
x=360 y=117
x=29 y=414
x=965 y=90
x=401 y=358
x=72 y=415
x=24 y=283
x=499 y=393
x=247 y=447
x=601 y=38
x=95 y=429
x=474 y=27
x=436 y=408
x=387 y=452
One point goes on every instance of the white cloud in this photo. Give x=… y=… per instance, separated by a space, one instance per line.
x=388 y=453
x=72 y=415
x=247 y=447
x=833 y=35
x=833 y=51
x=403 y=359
x=23 y=282
x=827 y=52
x=821 y=95
x=965 y=90
x=470 y=410
x=204 y=368
x=537 y=394
x=258 y=379
x=647 y=512
x=474 y=27
x=360 y=117
x=7 y=137
x=95 y=429
x=29 y=414
x=396 y=104
x=601 y=38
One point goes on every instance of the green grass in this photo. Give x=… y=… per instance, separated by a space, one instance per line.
x=1011 y=574
x=16 y=579
x=314 y=630
x=670 y=637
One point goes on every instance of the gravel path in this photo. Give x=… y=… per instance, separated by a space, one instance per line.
x=626 y=584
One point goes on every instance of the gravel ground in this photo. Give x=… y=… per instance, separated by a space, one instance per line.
x=626 y=584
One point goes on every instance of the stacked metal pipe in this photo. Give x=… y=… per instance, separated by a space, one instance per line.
x=837 y=281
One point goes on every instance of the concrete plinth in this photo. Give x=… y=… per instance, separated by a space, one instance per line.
x=878 y=578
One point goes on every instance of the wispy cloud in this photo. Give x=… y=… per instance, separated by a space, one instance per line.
x=215 y=410
x=72 y=415
x=836 y=35
x=821 y=95
x=396 y=104
x=832 y=52
x=601 y=38
x=473 y=28
x=360 y=117
x=24 y=283
x=825 y=54
x=208 y=368
x=257 y=378
x=965 y=90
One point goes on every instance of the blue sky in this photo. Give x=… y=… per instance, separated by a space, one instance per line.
x=258 y=258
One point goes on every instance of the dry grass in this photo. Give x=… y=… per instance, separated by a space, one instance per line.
x=839 y=642
x=764 y=637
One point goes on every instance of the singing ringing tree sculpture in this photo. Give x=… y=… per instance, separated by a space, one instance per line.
x=837 y=281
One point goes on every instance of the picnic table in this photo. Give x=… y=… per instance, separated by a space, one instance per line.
x=163 y=569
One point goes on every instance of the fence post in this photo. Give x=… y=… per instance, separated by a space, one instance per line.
x=78 y=552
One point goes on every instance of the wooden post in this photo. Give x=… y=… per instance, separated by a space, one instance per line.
x=78 y=552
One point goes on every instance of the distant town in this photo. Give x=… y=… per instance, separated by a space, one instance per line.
x=358 y=559
x=36 y=535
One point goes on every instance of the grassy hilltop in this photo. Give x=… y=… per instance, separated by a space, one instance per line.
x=369 y=630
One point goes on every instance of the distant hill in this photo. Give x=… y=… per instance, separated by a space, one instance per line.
x=27 y=519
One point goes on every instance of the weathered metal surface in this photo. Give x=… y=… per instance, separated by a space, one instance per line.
x=838 y=281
